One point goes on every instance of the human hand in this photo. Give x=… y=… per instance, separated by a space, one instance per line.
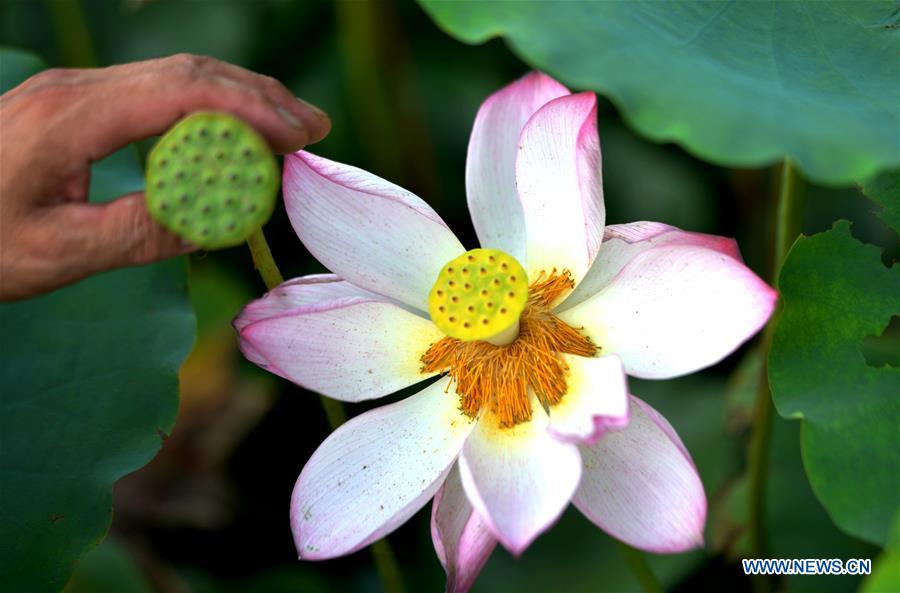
x=55 y=124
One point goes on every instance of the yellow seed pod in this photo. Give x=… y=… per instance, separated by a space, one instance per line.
x=478 y=295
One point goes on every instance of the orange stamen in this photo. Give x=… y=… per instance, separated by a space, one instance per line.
x=499 y=378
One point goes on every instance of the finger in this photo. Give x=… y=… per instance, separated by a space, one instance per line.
x=98 y=237
x=273 y=89
x=279 y=94
x=132 y=104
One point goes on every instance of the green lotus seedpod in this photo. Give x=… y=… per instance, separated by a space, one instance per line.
x=211 y=180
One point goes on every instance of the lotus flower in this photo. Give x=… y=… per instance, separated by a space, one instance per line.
x=531 y=337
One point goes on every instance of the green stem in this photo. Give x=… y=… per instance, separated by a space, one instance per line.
x=641 y=569
x=263 y=260
x=72 y=35
x=387 y=567
x=385 y=562
x=786 y=212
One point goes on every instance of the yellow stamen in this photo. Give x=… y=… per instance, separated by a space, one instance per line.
x=498 y=378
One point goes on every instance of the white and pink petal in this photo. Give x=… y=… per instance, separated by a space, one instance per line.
x=519 y=479
x=367 y=230
x=641 y=486
x=376 y=471
x=623 y=242
x=596 y=400
x=491 y=161
x=675 y=309
x=462 y=540
x=558 y=174
x=350 y=348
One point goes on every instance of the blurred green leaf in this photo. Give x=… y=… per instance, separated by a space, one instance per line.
x=90 y=386
x=108 y=568
x=16 y=65
x=736 y=83
x=836 y=292
x=885 y=577
x=884 y=189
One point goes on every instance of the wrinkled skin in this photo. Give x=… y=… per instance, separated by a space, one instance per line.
x=55 y=124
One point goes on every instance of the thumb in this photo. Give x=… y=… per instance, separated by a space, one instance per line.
x=100 y=237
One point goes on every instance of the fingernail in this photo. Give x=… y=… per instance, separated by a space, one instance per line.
x=319 y=113
x=289 y=117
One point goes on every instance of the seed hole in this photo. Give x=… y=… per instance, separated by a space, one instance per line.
x=229 y=201
x=210 y=180
x=183 y=221
x=491 y=258
x=174 y=149
x=490 y=305
x=442 y=308
x=440 y=293
x=160 y=184
x=205 y=231
x=184 y=198
x=485 y=321
x=504 y=266
x=454 y=299
x=186 y=138
x=226 y=134
x=467 y=286
x=179 y=175
x=247 y=153
x=496 y=282
x=503 y=311
x=451 y=319
x=511 y=294
x=466 y=324
x=451 y=284
x=512 y=279
x=220 y=156
x=203 y=132
x=482 y=271
x=450 y=270
x=258 y=179
x=233 y=177
x=163 y=206
x=251 y=208
x=231 y=226
x=470 y=309
x=163 y=162
x=484 y=293
x=206 y=209
x=465 y=271
x=197 y=158
x=471 y=258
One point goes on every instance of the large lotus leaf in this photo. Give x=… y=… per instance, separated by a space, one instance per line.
x=884 y=189
x=836 y=292
x=89 y=377
x=736 y=83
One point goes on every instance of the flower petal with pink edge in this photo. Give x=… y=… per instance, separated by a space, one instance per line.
x=462 y=539
x=375 y=472
x=559 y=181
x=622 y=242
x=349 y=349
x=641 y=487
x=675 y=309
x=520 y=479
x=292 y=294
x=596 y=400
x=491 y=161
x=366 y=230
